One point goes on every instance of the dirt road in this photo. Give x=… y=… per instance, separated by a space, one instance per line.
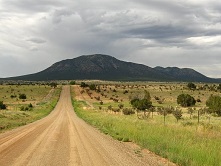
x=63 y=139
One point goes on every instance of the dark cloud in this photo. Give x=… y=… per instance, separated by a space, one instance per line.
x=152 y=32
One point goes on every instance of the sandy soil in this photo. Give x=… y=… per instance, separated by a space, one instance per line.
x=62 y=139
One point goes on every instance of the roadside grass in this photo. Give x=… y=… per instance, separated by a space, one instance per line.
x=185 y=143
x=14 y=117
x=181 y=145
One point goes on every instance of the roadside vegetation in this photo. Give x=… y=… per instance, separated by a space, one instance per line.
x=178 y=121
x=23 y=104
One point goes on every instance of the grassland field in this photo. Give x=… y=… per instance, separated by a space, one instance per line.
x=42 y=98
x=185 y=142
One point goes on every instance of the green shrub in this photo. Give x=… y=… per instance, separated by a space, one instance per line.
x=185 y=100
x=141 y=103
x=115 y=110
x=25 y=108
x=13 y=96
x=128 y=111
x=30 y=105
x=191 y=86
x=2 y=106
x=121 y=106
x=92 y=87
x=72 y=83
x=53 y=84
x=83 y=85
x=214 y=103
x=22 y=96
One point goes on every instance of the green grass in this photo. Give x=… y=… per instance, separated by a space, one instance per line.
x=13 y=117
x=33 y=93
x=185 y=142
x=187 y=146
x=166 y=91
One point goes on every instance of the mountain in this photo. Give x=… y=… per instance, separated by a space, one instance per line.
x=105 y=67
x=184 y=74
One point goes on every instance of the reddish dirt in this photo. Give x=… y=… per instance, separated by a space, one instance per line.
x=62 y=139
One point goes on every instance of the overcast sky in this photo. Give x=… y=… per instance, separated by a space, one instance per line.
x=36 y=34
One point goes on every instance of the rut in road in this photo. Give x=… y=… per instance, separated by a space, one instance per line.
x=62 y=139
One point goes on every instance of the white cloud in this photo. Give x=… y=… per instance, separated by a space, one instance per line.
x=205 y=41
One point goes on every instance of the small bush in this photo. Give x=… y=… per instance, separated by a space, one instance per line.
x=185 y=100
x=214 y=104
x=198 y=100
x=30 y=105
x=191 y=86
x=22 y=96
x=53 y=84
x=156 y=98
x=84 y=85
x=72 y=83
x=116 y=110
x=92 y=87
x=25 y=108
x=125 y=92
x=13 y=96
x=177 y=113
x=121 y=106
x=128 y=111
x=97 y=98
x=2 y=106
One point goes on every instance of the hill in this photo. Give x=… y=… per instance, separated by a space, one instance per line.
x=105 y=67
x=185 y=74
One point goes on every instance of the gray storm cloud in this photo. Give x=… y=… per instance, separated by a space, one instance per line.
x=35 y=34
